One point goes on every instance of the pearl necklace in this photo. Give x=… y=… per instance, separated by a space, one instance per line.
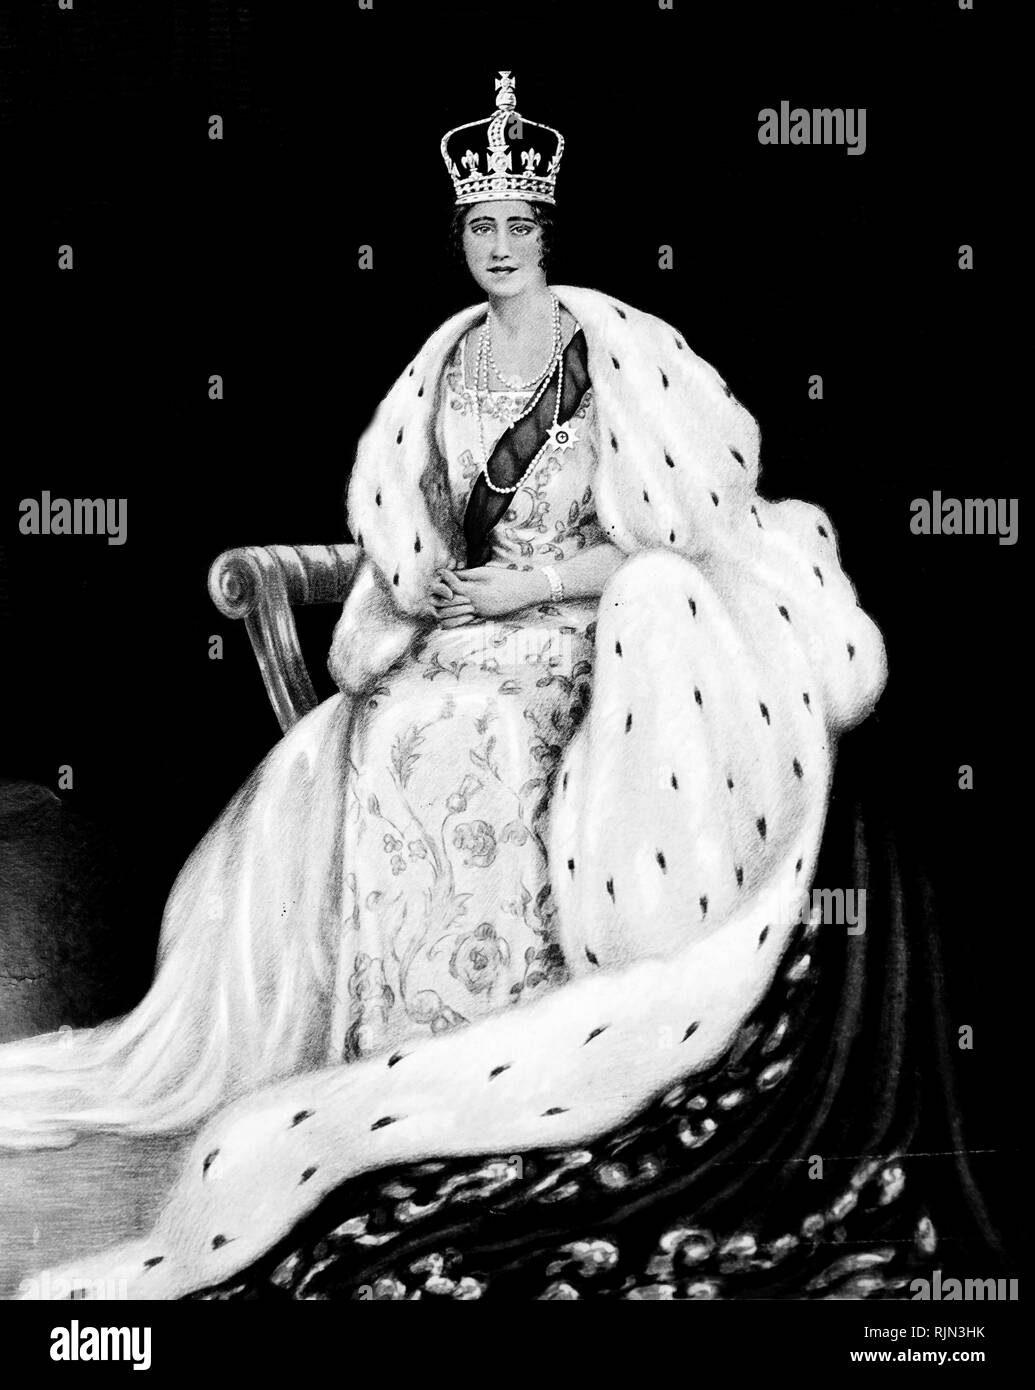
x=558 y=439
x=529 y=385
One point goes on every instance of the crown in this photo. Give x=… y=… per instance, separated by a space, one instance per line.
x=485 y=150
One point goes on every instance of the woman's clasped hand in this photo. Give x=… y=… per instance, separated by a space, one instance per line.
x=486 y=591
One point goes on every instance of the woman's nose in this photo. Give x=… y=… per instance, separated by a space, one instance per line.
x=500 y=249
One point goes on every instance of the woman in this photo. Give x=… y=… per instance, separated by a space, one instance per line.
x=543 y=855
x=456 y=919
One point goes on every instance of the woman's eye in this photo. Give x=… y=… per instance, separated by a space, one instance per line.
x=522 y=231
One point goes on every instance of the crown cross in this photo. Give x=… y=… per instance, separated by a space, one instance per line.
x=506 y=99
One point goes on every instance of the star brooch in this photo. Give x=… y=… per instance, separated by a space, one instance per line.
x=562 y=438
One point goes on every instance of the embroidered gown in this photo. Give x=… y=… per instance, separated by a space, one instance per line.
x=382 y=876
x=448 y=892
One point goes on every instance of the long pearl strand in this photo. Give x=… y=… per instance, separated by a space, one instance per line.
x=556 y=365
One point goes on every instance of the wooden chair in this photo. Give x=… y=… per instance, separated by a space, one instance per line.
x=263 y=584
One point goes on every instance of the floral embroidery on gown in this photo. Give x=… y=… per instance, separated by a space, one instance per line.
x=448 y=896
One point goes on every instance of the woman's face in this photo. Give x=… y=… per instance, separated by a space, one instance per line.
x=503 y=246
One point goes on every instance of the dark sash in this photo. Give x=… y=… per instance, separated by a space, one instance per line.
x=517 y=447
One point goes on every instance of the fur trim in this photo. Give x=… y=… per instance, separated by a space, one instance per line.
x=697 y=784
x=371 y=635
x=678 y=468
x=399 y=508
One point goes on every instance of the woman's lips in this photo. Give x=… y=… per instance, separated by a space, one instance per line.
x=502 y=269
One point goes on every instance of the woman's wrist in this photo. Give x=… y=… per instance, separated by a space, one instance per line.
x=538 y=587
x=554 y=583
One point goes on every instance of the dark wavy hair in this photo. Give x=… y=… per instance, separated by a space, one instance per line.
x=543 y=215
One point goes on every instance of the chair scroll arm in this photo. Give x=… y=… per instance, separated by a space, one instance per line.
x=261 y=584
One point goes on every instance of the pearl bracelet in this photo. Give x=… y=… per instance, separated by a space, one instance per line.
x=555 y=582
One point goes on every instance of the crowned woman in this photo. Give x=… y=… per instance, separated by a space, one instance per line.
x=544 y=852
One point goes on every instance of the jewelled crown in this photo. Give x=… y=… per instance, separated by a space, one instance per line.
x=504 y=155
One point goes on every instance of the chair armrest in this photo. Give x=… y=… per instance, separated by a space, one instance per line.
x=261 y=584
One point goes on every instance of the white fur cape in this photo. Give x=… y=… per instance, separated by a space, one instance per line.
x=685 y=822
x=678 y=471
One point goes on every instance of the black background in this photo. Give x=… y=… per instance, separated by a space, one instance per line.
x=239 y=257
